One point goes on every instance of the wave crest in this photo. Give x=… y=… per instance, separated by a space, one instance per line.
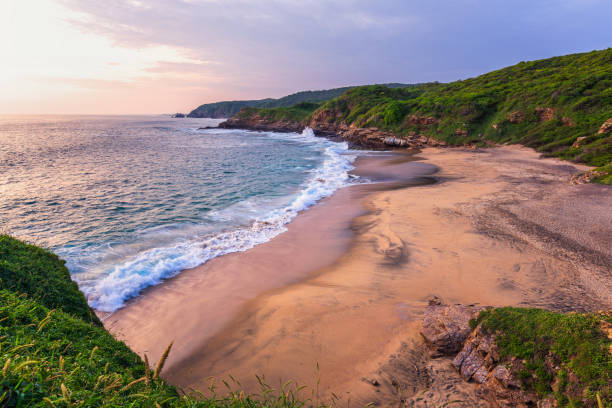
x=150 y=267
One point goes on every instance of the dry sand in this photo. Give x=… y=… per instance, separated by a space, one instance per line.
x=501 y=227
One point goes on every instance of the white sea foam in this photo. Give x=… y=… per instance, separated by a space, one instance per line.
x=126 y=280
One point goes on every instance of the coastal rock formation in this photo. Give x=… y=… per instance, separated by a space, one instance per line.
x=422 y=120
x=587 y=176
x=323 y=124
x=479 y=361
x=446 y=328
x=461 y=132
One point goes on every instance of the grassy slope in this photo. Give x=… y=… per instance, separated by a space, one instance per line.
x=42 y=276
x=54 y=352
x=577 y=87
x=567 y=355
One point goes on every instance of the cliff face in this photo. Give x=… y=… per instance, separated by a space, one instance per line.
x=326 y=122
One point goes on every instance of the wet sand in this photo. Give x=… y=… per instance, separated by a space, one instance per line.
x=191 y=307
x=501 y=227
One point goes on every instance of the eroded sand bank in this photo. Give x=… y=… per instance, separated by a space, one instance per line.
x=501 y=227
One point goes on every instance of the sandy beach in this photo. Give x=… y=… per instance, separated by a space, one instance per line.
x=344 y=289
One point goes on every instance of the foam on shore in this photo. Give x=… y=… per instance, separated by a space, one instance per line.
x=127 y=279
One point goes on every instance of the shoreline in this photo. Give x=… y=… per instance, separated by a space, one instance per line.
x=496 y=230
x=225 y=283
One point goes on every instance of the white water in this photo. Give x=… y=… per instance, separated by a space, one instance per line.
x=128 y=278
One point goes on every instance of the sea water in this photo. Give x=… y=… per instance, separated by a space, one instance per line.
x=128 y=201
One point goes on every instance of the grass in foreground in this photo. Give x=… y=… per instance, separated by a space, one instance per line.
x=567 y=355
x=55 y=353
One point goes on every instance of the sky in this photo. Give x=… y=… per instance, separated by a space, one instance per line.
x=164 y=56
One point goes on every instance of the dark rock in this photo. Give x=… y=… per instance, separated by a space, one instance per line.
x=479 y=361
x=503 y=375
x=470 y=364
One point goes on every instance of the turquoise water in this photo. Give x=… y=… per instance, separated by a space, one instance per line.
x=131 y=200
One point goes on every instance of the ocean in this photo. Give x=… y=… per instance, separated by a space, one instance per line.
x=129 y=201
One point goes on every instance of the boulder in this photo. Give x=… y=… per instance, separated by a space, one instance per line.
x=395 y=141
x=445 y=327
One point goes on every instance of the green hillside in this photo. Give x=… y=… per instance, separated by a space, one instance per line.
x=558 y=106
x=227 y=109
x=54 y=352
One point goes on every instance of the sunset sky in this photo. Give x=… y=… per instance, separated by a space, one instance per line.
x=162 y=56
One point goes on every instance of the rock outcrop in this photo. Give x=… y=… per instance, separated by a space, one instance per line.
x=327 y=122
x=479 y=361
x=606 y=127
x=567 y=121
x=446 y=328
x=324 y=123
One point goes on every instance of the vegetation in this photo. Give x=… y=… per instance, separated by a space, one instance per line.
x=567 y=355
x=42 y=276
x=296 y=113
x=53 y=353
x=555 y=106
x=227 y=109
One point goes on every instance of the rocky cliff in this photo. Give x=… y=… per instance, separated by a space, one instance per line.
x=322 y=124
